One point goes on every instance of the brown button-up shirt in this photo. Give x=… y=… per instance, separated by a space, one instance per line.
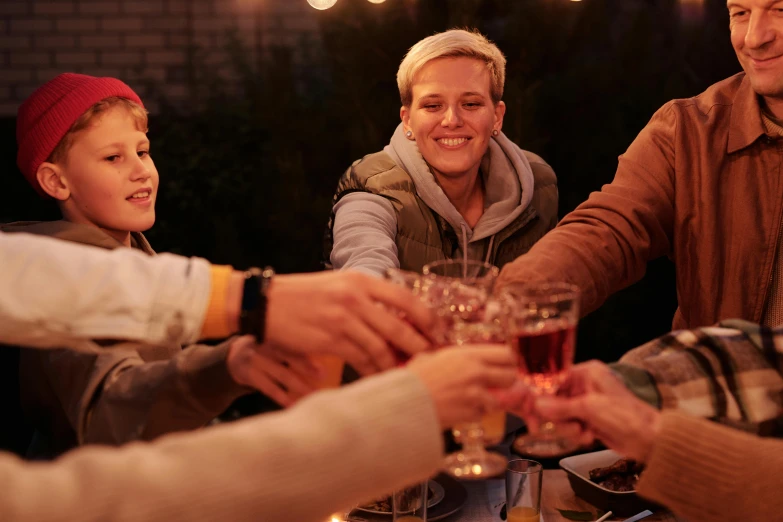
x=700 y=184
x=773 y=310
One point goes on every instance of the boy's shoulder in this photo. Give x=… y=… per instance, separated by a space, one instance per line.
x=64 y=230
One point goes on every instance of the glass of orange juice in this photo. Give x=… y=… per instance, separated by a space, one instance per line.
x=523 y=490
x=333 y=370
x=493 y=425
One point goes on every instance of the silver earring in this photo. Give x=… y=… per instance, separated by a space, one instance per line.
x=495 y=132
x=409 y=134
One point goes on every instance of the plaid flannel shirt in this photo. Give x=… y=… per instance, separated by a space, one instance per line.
x=731 y=373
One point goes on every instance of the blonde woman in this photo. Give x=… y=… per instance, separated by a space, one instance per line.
x=449 y=184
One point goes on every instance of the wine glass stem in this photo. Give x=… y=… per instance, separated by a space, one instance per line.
x=473 y=439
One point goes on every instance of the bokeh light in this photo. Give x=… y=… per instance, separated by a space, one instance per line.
x=322 y=4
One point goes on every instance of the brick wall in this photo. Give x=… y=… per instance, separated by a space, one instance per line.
x=136 y=40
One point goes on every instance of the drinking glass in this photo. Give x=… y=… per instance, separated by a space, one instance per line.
x=332 y=366
x=523 y=490
x=459 y=292
x=410 y=504
x=417 y=284
x=541 y=322
x=413 y=281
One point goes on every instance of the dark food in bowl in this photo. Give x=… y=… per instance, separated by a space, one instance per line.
x=383 y=505
x=620 y=476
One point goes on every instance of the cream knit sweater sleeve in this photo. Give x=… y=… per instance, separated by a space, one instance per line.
x=704 y=471
x=332 y=450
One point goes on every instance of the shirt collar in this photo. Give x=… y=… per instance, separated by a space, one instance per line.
x=746 y=126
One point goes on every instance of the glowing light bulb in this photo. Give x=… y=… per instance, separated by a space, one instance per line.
x=376 y=1
x=321 y=4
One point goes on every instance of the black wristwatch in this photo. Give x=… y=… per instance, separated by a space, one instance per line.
x=252 y=318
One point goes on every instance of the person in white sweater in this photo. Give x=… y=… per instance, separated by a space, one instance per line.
x=330 y=451
x=56 y=293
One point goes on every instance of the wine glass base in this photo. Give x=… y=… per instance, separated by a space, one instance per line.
x=475 y=466
x=547 y=447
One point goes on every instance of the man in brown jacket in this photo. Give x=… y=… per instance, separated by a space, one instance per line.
x=702 y=184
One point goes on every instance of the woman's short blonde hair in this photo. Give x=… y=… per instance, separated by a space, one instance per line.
x=452 y=44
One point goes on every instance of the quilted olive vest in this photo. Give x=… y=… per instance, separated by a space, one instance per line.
x=424 y=236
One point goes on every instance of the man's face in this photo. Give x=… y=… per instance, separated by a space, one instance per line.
x=112 y=180
x=757 y=37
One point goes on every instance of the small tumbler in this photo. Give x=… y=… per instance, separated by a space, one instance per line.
x=523 y=490
x=410 y=504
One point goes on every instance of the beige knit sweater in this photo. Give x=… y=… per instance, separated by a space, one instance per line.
x=708 y=472
x=333 y=450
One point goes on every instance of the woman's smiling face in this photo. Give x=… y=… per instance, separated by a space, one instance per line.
x=452 y=115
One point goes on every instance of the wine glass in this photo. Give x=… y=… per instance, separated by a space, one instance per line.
x=417 y=284
x=459 y=292
x=541 y=322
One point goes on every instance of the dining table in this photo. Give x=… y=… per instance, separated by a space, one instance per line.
x=486 y=497
x=483 y=499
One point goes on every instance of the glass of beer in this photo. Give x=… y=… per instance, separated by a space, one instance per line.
x=541 y=322
x=410 y=504
x=523 y=490
x=459 y=292
x=332 y=366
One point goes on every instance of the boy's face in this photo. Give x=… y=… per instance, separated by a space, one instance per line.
x=110 y=175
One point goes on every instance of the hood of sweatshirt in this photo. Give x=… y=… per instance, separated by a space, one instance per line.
x=508 y=186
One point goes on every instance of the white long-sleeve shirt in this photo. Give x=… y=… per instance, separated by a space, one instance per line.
x=54 y=293
x=334 y=449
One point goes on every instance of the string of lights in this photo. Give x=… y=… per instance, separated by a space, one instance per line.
x=326 y=4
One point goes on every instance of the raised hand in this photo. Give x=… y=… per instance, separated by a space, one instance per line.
x=348 y=314
x=463 y=380
x=604 y=408
x=283 y=377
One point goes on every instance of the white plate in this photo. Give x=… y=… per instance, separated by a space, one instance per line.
x=580 y=466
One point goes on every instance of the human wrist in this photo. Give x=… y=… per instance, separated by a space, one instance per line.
x=234 y=299
x=253 y=303
x=649 y=435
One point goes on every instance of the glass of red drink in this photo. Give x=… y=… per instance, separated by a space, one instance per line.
x=541 y=322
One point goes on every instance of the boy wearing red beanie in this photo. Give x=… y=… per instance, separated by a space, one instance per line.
x=82 y=141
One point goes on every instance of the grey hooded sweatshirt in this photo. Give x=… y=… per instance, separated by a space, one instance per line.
x=365 y=225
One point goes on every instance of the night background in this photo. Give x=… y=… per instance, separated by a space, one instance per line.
x=250 y=152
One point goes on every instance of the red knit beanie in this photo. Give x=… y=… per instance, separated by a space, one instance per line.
x=46 y=116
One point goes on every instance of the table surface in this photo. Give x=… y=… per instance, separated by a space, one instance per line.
x=486 y=497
